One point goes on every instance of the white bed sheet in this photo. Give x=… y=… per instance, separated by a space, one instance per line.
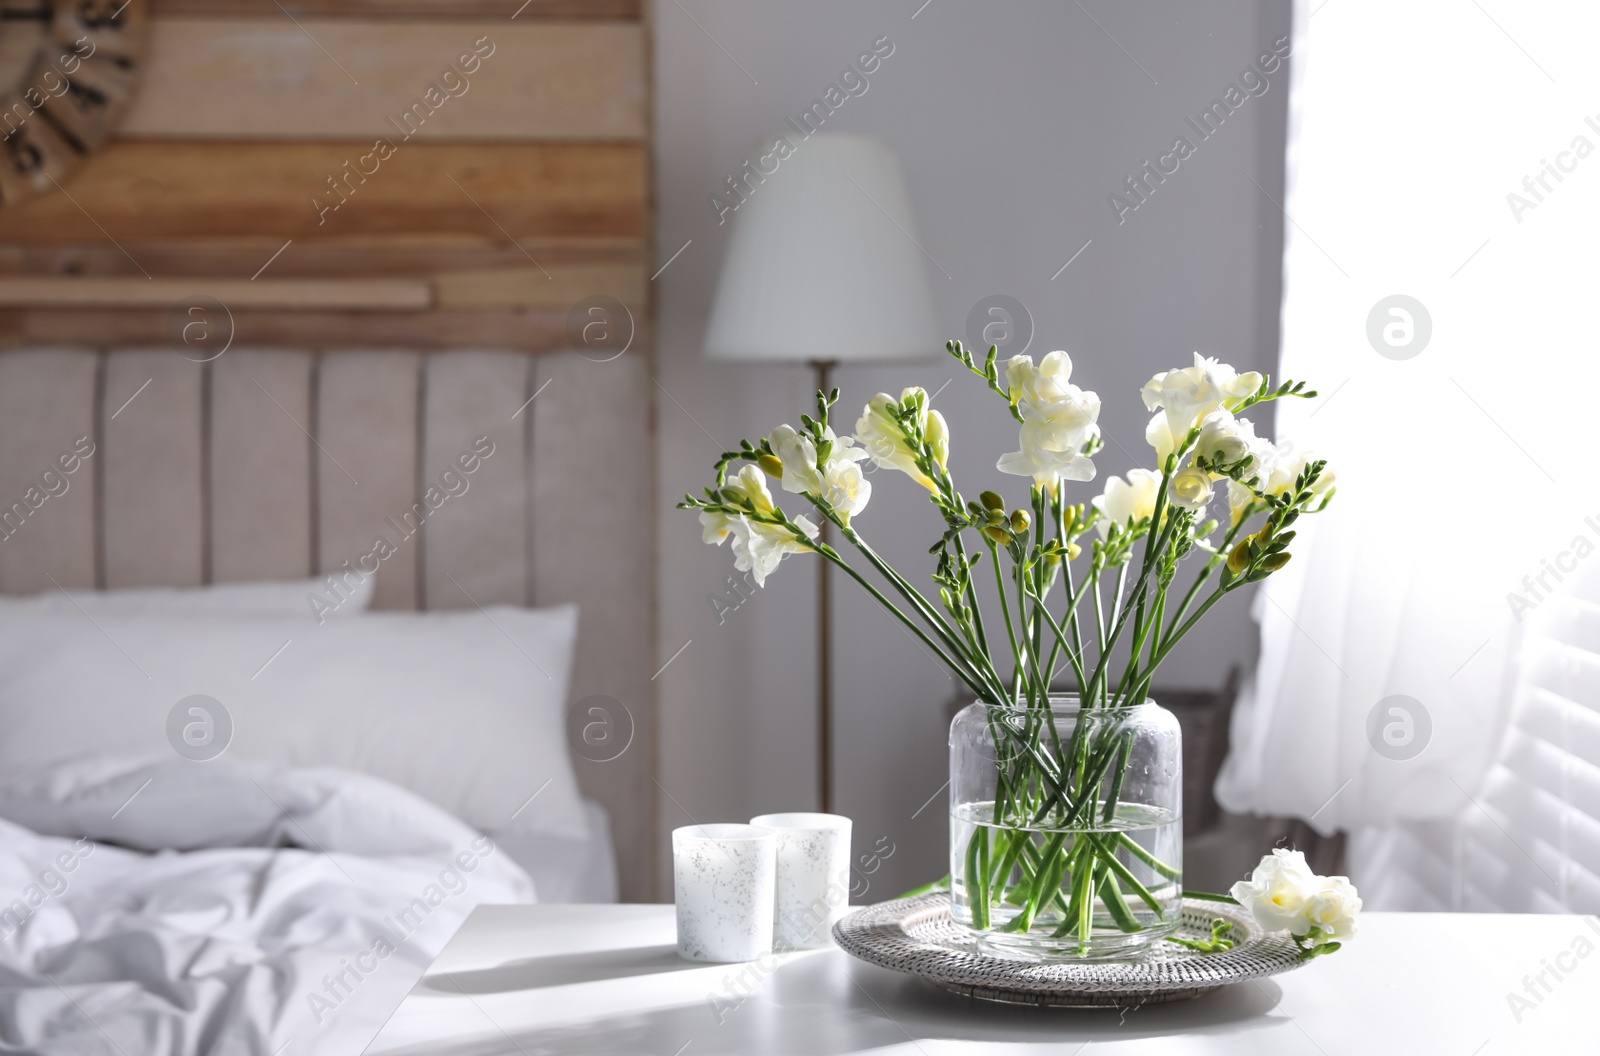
x=180 y=907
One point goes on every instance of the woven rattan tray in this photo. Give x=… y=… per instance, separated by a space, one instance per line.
x=917 y=936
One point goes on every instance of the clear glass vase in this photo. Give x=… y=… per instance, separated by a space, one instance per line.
x=1066 y=828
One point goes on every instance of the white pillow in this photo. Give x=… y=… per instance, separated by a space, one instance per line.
x=466 y=709
x=313 y=599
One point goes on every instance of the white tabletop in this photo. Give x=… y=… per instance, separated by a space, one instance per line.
x=523 y=980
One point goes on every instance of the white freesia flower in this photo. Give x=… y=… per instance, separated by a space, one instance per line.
x=1127 y=502
x=1188 y=394
x=1226 y=440
x=757 y=546
x=1333 y=910
x=714 y=526
x=1191 y=488
x=1159 y=436
x=885 y=441
x=838 y=481
x=1287 y=462
x=1058 y=420
x=1283 y=894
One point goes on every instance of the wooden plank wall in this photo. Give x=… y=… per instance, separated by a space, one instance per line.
x=494 y=167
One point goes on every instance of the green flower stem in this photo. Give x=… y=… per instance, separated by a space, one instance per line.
x=1118 y=772
x=1111 y=895
x=1125 y=874
x=918 y=602
x=977 y=890
x=1146 y=857
x=1207 y=896
x=972 y=597
x=1208 y=569
x=941 y=884
x=1005 y=606
x=1086 y=884
x=972 y=680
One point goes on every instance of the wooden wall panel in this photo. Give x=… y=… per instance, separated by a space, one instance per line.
x=151 y=470
x=130 y=292
x=47 y=401
x=395 y=255
x=477 y=545
x=451 y=9
x=262 y=78
x=137 y=189
x=367 y=470
x=260 y=456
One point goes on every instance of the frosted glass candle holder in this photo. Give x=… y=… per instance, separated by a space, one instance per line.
x=724 y=884
x=813 y=877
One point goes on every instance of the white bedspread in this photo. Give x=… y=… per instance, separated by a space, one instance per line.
x=184 y=907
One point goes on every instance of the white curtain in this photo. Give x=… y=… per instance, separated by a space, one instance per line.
x=1447 y=153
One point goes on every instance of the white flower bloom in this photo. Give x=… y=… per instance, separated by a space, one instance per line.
x=1188 y=394
x=757 y=546
x=1286 y=464
x=880 y=433
x=1127 y=502
x=1159 y=436
x=1191 y=488
x=846 y=488
x=799 y=457
x=1279 y=891
x=1226 y=440
x=1333 y=910
x=1058 y=420
x=1283 y=894
x=838 y=481
x=714 y=526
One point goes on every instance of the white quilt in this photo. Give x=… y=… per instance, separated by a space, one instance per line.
x=216 y=907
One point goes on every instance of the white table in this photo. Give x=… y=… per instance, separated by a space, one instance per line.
x=536 y=980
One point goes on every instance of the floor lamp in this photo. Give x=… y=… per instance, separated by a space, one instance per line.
x=823 y=268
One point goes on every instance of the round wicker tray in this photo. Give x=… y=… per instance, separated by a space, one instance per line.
x=918 y=936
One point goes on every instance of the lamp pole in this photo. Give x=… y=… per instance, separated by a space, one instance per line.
x=824 y=375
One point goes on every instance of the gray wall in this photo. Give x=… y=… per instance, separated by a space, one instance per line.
x=1014 y=122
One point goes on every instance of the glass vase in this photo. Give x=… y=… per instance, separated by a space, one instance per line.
x=1066 y=828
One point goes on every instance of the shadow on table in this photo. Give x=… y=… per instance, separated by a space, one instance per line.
x=816 y=1006
x=567 y=969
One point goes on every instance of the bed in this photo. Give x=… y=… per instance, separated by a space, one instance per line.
x=453 y=549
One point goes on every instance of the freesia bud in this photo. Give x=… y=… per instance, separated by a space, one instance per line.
x=992 y=500
x=1020 y=521
x=1239 y=559
x=772 y=464
x=996 y=535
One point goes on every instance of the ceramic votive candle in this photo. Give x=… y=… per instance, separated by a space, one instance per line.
x=813 y=888
x=724 y=886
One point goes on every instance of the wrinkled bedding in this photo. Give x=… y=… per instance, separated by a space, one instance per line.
x=183 y=907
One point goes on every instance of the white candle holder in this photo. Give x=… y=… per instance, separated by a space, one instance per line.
x=724 y=884
x=813 y=888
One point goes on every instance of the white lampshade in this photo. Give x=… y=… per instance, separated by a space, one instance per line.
x=823 y=263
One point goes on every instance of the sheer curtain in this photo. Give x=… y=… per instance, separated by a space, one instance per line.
x=1443 y=204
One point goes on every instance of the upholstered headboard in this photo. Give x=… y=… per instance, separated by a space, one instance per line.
x=283 y=463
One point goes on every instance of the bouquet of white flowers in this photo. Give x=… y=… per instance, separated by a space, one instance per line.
x=1055 y=850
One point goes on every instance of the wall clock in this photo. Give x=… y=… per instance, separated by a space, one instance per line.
x=68 y=69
